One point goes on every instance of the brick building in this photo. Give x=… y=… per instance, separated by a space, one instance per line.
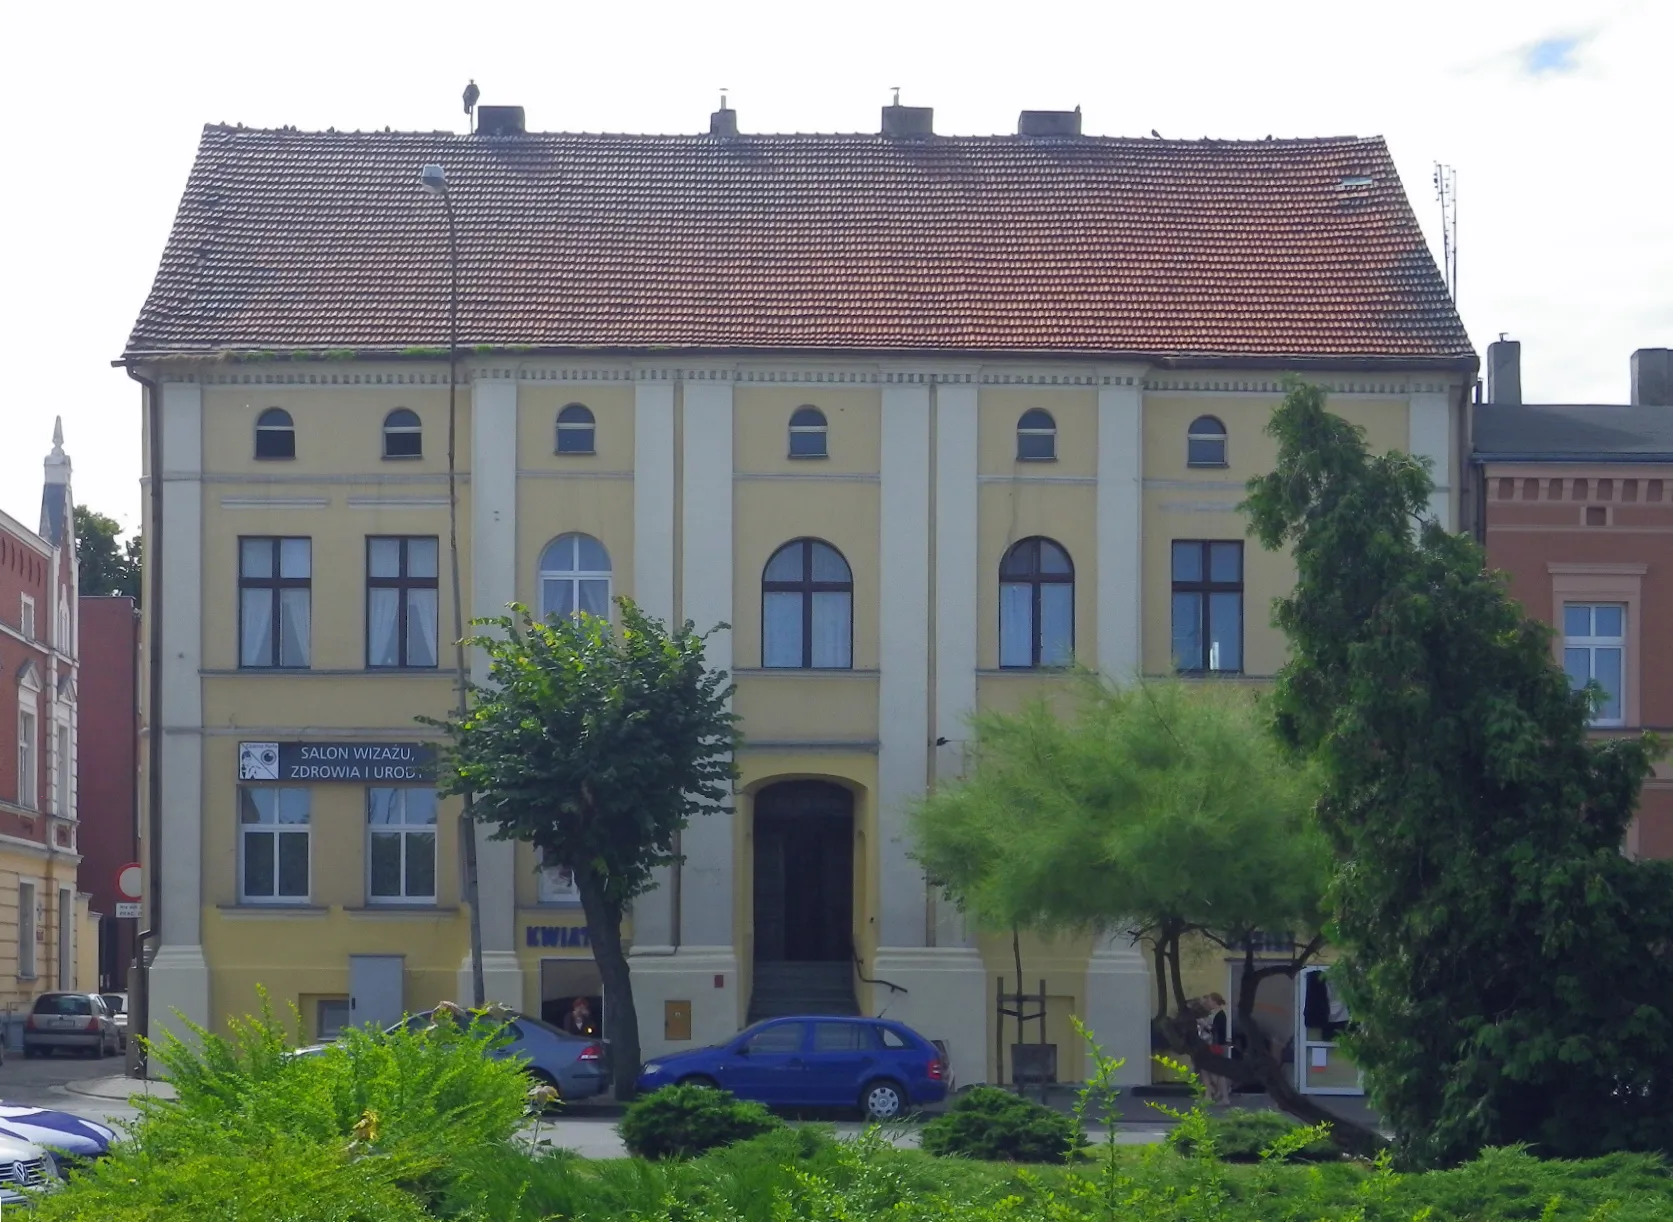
x=40 y=911
x=107 y=772
x=1578 y=510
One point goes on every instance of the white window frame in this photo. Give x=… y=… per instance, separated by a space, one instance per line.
x=63 y=752
x=28 y=750
x=556 y=884
x=26 y=618
x=402 y=832
x=574 y=576
x=1592 y=644
x=65 y=645
x=26 y=917
x=272 y=831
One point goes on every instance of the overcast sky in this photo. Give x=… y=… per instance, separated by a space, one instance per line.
x=1555 y=115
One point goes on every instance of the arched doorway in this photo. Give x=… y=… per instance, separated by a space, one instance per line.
x=804 y=873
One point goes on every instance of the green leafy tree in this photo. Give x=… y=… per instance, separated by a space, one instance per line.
x=1508 y=968
x=103 y=566
x=1162 y=810
x=596 y=745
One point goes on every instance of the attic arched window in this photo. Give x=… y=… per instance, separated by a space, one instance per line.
x=575 y=430
x=1205 y=443
x=403 y=434
x=1036 y=436
x=275 y=434
x=807 y=433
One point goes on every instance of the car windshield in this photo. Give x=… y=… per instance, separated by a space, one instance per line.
x=115 y=1003
x=63 y=1003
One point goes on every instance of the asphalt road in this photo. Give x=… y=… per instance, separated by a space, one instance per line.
x=54 y=1083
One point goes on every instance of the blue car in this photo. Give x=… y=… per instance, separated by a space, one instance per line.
x=879 y=1066
x=64 y=1134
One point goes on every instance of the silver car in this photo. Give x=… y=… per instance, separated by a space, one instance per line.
x=117 y=1004
x=24 y=1165
x=76 y=1022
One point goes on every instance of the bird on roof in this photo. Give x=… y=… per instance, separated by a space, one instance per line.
x=1156 y=133
x=471 y=94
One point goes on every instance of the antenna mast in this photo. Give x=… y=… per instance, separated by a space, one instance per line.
x=1446 y=190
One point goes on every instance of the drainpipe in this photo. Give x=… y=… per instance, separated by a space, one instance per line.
x=154 y=705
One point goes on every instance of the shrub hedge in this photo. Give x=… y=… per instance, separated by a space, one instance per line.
x=988 y=1123
x=685 y=1121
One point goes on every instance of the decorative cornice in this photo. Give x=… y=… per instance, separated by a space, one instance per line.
x=278 y=502
x=1275 y=386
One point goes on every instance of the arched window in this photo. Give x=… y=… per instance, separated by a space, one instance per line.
x=1036 y=605
x=403 y=434
x=275 y=434
x=807 y=433
x=1205 y=443
x=1036 y=436
x=575 y=430
x=574 y=576
x=807 y=608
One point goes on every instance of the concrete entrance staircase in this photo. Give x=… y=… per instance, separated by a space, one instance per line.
x=787 y=987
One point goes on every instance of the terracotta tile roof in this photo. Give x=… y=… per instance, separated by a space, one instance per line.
x=1183 y=249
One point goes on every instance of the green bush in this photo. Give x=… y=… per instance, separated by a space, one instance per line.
x=685 y=1121
x=1242 y=1136
x=993 y=1124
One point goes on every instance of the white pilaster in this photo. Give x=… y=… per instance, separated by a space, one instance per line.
x=956 y=580
x=903 y=641
x=492 y=586
x=179 y=975
x=1120 y=530
x=1118 y=1006
x=1429 y=420
x=653 y=590
x=702 y=971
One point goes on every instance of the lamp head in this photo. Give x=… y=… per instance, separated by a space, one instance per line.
x=434 y=179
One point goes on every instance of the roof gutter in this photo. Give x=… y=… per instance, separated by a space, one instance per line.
x=1482 y=457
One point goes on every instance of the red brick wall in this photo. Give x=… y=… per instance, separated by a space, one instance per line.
x=23 y=570
x=1537 y=517
x=107 y=764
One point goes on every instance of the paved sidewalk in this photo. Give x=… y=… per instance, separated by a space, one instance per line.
x=118 y=1088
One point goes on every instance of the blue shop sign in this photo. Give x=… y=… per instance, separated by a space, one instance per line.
x=571 y=937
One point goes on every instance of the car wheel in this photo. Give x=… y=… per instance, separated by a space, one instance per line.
x=700 y=1080
x=882 y=1101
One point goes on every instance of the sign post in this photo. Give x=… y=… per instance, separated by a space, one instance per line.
x=129 y=884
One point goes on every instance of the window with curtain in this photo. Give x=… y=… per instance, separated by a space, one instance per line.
x=807 y=608
x=807 y=433
x=1036 y=436
x=273 y=845
x=1205 y=443
x=575 y=430
x=574 y=577
x=275 y=593
x=275 y=434
x=403 y=434
x=401 y=846
x=1036 y=605
x=1208 y=606
x=1594 y=648
x=401 y=601
x=28 y=752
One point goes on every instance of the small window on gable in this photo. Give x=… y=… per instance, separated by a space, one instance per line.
x=275 y=434
x=1036 y=436
x=807 y=433
x=1205 y=443
x=403 y=434
x=575 y=430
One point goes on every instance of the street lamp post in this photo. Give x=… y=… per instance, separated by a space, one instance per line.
x=434 y=179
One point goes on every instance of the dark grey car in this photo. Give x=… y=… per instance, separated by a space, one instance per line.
x=76 y=1022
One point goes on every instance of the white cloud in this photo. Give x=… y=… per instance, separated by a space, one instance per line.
x=1563 y=176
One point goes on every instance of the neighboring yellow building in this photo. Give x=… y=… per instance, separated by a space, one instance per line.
x=921 y=418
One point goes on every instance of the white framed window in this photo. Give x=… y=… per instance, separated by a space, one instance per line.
x=65 y=645
x=273 y=845
x=275 y=602
x=1036 y=436
x=1594 y=651
x=574 y=576
x=576 y=430
x=1205 y=443
x=26 y=930
x=403 y=434
x=401 y=846
x=808 y=433
x=28 y=756
x=63 y=803
x=26 y=617
x=401 y=576
x=557 y=882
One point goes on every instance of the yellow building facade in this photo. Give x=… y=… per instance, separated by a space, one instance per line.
x=923 y=420
x=689 y=486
